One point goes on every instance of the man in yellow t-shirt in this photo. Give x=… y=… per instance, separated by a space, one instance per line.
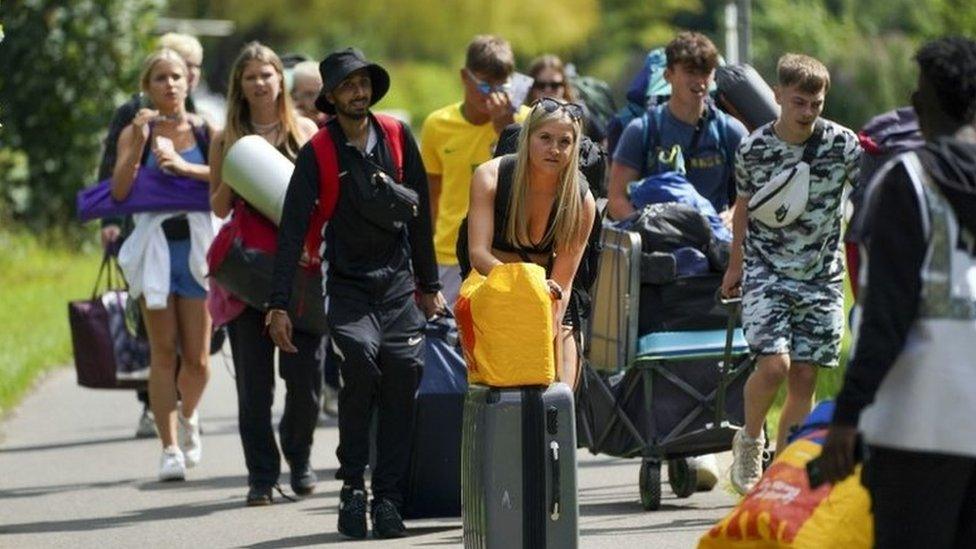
x=457 y=138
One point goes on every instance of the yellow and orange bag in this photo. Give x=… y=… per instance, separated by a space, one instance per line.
x=782 y=511
x=505 y=324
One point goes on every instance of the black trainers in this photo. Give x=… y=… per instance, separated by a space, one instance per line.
x=258 y=496
x=303 y=479
x=386 y=520
x=352 y=512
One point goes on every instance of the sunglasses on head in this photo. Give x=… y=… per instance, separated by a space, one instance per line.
x=484 y=87
x=550 y=105
x=540 y=85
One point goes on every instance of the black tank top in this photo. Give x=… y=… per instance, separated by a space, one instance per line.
x=499 y=241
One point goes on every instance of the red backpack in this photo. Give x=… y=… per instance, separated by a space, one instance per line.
x=254 y=232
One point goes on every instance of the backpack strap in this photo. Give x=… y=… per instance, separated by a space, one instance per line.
x=393 y=131
x=653 y=119
x=201 y=132
x=147 y=148
x=328 y=163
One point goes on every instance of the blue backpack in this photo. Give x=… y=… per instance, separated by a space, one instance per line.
x=659 y=160
x=647 y=89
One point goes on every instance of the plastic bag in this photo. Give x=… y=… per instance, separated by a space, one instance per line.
x=782 y=511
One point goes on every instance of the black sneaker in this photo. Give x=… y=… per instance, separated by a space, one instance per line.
x=303 y=479
x=258 y=496
x=386 y=520
x=352 y=512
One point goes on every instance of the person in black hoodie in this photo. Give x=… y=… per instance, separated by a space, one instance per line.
x=375 y=266
x=910 y=388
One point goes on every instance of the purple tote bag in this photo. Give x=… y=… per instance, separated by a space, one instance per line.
x=152 y=191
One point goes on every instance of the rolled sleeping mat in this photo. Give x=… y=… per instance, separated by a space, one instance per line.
x=744 y=94
x=259 y=173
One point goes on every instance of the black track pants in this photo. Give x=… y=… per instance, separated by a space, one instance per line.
x=253 y=354
x=379 y=351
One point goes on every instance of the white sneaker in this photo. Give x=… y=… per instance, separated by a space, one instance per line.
x=707 y=467
x=171 y=464
x=189 y=437
x=147 y=426
x=330 y=401
x=746 y=461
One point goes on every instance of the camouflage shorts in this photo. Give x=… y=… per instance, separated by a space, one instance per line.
x=803 y=318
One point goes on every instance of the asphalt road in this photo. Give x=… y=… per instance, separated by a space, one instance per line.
x=72 y=475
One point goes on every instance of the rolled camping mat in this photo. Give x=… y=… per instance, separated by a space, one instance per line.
x=259 y=173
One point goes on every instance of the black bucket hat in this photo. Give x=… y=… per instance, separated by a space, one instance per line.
x=339 y=65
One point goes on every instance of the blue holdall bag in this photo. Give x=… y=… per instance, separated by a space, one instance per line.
x=433 y=481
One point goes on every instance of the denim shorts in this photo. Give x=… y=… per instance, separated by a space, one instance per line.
x=181 y=281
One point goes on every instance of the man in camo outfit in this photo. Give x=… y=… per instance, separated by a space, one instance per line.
x=791 y=276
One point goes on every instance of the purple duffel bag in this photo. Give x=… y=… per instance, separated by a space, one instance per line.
x=106 y=355
x=152 y=191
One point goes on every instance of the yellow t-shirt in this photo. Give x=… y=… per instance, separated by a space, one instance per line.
x=452 y=148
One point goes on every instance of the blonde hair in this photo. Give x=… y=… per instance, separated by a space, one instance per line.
x=162 y=54
x=798 y=69
x=567 y=227
x=307 y=69
x=239 y=112
x=184 y=44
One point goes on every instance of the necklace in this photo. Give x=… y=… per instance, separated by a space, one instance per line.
x=265 y=128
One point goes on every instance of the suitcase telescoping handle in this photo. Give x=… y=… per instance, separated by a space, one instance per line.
x=554 y=467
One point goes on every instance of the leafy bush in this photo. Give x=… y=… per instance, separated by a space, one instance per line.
x=64 y=67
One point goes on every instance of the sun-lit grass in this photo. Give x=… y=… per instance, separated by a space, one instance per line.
x=37 y=279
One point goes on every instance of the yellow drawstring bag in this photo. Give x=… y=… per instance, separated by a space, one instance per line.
x=505 y=324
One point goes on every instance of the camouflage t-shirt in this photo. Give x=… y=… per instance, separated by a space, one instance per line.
x=809 y=248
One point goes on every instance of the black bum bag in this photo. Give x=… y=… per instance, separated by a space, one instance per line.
x=388 y=204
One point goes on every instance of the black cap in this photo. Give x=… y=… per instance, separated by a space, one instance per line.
x=337 y=66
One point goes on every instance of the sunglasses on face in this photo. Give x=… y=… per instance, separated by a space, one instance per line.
x=484 y=87
x=540 y=85
x=550 y=105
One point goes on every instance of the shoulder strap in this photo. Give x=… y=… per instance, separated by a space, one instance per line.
x=328 y=163
x=919 y=178
x=503 y=188
x=813 y=143
x=652 y=119
x=201 y=133
x=393 y=131
x=147 y=148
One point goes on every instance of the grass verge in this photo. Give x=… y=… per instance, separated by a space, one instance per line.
x=38 y=277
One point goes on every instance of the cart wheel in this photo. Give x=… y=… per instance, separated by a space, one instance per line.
x=650 y=485
x=683 y=477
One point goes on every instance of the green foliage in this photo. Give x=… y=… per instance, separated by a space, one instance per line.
x=867 y=46
x=413 y=30
x=38 y=277
x=64 y=67
x=420 y=88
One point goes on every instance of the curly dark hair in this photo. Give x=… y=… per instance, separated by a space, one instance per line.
x=693 y=50
x=949 y=64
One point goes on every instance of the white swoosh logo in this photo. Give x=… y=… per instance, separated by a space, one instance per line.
x=415 y=340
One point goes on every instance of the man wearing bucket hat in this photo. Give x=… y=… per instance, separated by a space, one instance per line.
x=790 y=177
x=363 y=177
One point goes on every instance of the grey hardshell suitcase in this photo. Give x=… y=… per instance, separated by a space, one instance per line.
x=518 y=468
